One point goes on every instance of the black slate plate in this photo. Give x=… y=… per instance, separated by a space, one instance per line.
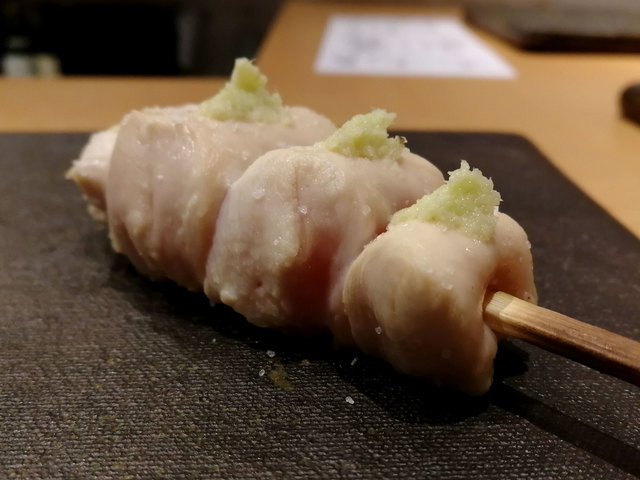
x=104 y=374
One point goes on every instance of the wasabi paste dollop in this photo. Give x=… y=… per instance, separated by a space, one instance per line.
x=467 y=202
x=366 y=136
x=245 y=98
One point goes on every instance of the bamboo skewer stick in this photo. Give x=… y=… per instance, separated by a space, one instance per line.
x=590 y=345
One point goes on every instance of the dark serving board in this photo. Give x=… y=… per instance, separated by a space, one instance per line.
x=104 y=374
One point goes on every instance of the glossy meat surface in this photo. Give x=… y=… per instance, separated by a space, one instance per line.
x=293 y=223
x=415 y=298
x=169 y=174
x=89 y=171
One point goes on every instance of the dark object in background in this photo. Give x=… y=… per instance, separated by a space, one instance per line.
x=630 y=103
x=136 y=37
x=554 y=27
x=112 y=39
x=91 y=38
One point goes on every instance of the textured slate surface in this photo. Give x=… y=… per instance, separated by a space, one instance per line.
x=104 y=374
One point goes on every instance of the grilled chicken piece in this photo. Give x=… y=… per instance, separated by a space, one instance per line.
x=160 y=176
x=90 y=170
x=415 y=298
x=293 y=223
x=169 y=175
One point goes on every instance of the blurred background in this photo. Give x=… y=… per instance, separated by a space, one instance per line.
x=135 y=37
x=154 y=37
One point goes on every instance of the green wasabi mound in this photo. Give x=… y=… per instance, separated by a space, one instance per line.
x=245 y=98
x=366 y=136
x=467 y=202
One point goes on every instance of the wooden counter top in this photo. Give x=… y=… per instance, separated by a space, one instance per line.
x=565 y=104
x=86 y=104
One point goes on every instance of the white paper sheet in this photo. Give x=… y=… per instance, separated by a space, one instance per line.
x=384 y=45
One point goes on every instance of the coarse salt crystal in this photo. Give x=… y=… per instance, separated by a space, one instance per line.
x=378 y=330
x=271 y=353
x=258 y=193
x=349 y=400
x=261 y=372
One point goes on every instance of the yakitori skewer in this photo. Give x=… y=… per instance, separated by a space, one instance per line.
x=590 y=345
